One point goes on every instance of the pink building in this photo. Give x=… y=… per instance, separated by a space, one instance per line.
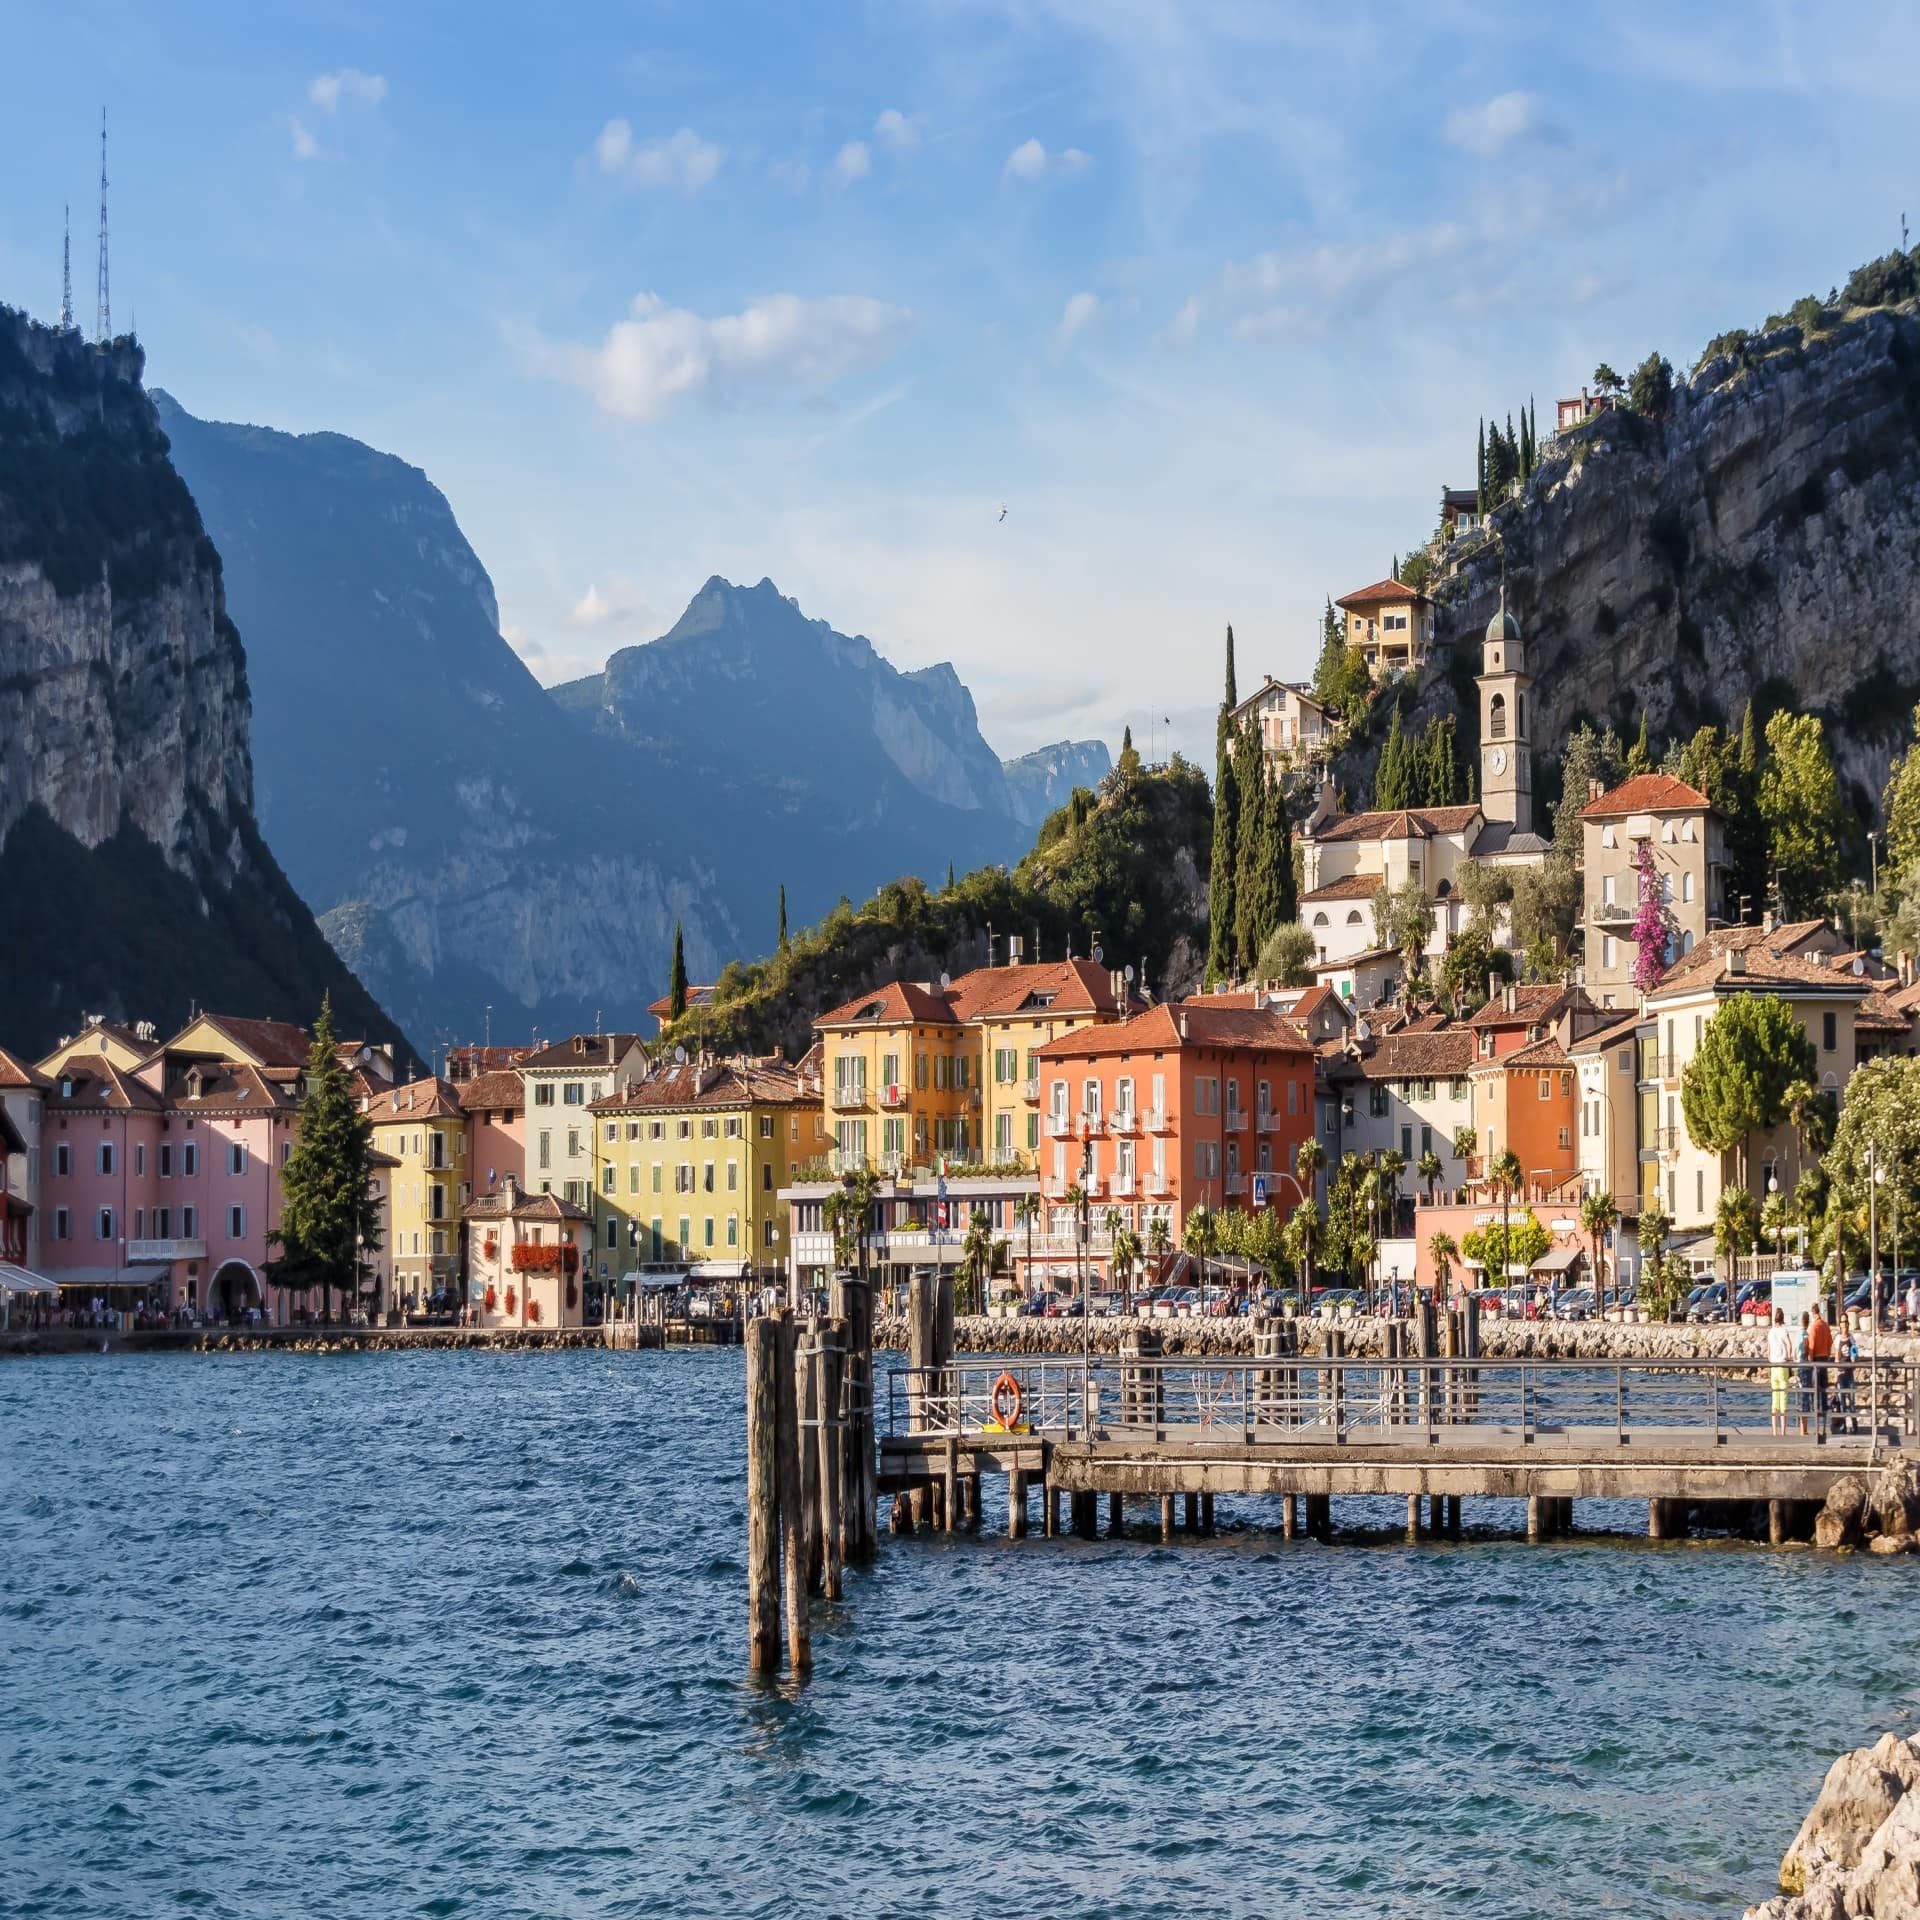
x=160 y=1172
x=496 y=1108
x=23 y=1103
x=524 y=1259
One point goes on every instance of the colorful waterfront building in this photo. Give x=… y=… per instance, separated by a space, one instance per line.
x=1188 y=1105
x=495 y=1103
x=23 y=1099
x=562 y=1081
x=693 y=1160
x=422 y=1127
x=526 y=1255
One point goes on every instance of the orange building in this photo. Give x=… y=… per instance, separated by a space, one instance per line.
x=1524 y=1102
x=1183 y=1106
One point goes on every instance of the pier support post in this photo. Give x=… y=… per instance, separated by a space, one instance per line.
x=1166 y=1518
x=1116 y=1515
x=851 y=1298
x=1289 y=1525
x=793 y=1522
x=1050 y=1510
x=950 y=1487
x=1191 y=1502
x=1017 y=1503
x=831 y=1458
x=763 y=1499
x=1413 y=1517
x=1320 y=1515
x=1538 y=1524
x=973 y=1501
x=806 y=1396
x=1776 y=1523
x=1206 y=1513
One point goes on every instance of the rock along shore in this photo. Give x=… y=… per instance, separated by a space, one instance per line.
x=1857 y=1854
x=322 y=1339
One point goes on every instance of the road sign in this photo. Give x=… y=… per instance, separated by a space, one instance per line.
x=1259 y=1189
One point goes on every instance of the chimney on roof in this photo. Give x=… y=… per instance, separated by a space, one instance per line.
x=1183 y=1023
x=1766 y=921
x=1513 y=999
x=580 y=1044
x=1736 y=963
x=1015 y=948
x=1595 y=788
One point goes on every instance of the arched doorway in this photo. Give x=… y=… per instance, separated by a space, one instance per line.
x=234 y=1289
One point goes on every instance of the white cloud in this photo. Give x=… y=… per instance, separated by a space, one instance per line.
x=1181 y=330
x=1031 y=161
x=792 y=176
x=621 y=605
x=305 y=146
x=662 y=354
x=682 y=160
x=898 y=132
x=1492 y=128
x=853 y=162
x=327 y=90
x=1078 y=311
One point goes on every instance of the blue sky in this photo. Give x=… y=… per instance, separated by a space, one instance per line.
x=1210 y=297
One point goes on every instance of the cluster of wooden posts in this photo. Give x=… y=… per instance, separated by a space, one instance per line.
x=810 y=1466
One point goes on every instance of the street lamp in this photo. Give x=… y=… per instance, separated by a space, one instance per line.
x=1875 y=1174
x=1085 y=1212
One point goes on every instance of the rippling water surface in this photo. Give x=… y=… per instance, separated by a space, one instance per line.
x=464 y=1634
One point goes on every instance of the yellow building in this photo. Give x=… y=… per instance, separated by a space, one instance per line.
x=1390 y=625
x=692 y=1159
x=914 y=1075
x=424 y=1128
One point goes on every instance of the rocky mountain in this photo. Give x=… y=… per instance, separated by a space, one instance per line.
x=1762 y=538
x=134 y=878
x=472 y=840
x=1040 y=781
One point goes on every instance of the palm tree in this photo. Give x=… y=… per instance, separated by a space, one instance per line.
x=1202 y=1238
x=1026 y=1210
x=1430 y=1167
x=1309 y=1163
x=1392 y=1166
x=1800 y=1098
x=1304 y=1231
x=1159 y=1242
x=1466 y=1143
x=1126 y=1255
x=1598 y=1218
x=1506 y=1176
x=1445 y=1251
x=1076 y=1200
x=977 y=1255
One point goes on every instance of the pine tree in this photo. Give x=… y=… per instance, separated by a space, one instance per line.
x=677 y=979
x=1640 y=754
x=783 y=917
x=1390 y=778
x=1129 y=757
x=329 y=1215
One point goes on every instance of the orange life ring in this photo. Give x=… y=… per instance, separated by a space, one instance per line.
x=1008 y=1402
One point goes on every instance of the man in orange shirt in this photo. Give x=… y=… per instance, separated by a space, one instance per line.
x=1819 y=1354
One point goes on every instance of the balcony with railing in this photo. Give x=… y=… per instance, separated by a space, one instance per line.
x=142 y=1253
x=1266 y=1121
x=1031 y=1093
x=1158 y=1184
x=1158 y=1121
x=1236 y=1120
x=850 y=1098
x=1123 y=1186
x=1236 y=1183
x=1091 y=1124
x=1123 y=1120
x=1666 y=1139
x=893 y=1096
x=1057 y=1126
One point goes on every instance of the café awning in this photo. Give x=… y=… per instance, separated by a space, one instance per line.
x=18 y=1281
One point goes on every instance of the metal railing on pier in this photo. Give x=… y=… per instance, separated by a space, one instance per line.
x=1361 y=1401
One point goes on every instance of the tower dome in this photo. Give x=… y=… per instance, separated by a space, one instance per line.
x=1503 y=627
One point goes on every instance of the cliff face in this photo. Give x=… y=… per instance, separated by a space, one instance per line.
x=1041 y=780
x=1764 y=539
x=133 y=876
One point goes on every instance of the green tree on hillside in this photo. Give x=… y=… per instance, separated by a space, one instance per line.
x=1287 y=955
x=1403 y=921
x=329 y=1213
x=1341 y=682
x=1393 y=772
x=1591 y=759
x=1640 y=754
x=1799 y=800
x=1129 y=757
x=1223 y=929
x=1742 y=1073
x=783 y=917
x=1901 y=805
x=677 y=978
x=1650 y=391
x=1606 y=381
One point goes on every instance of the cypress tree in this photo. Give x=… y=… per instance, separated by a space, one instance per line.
x=1253 y=881
x=1390 y=781
x=1480 y=469
x=949 y=876
x=1279 y=861
x=1221 y=929
x=1640 y=754
x=783 y=917
x=677 y=979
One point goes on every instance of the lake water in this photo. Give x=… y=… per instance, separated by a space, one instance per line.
x=465 y=1634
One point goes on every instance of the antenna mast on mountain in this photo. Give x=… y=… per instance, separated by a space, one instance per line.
x=66 y=269
x=103 y=323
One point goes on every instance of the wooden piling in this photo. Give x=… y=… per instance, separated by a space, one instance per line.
x=1289 y=1526
x=1191 y=1516
x=1166 y=1518
x=1538 y=1526
x=830 y=1452
x=763 y=1498
x=1050 y=1510
x=1016 y=1503
x=973 y=1502
x=950 y=1487
x=1206 y=1513
x=1116 y=1515
x=1776 y=1523
x=806 y=1395
x=1413 y=1517
x=793 y=1519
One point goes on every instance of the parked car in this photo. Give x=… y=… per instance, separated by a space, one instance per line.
x=1040 y=1305
x=1754 y=1301
x=1572 y=1303
x=1708 y=1302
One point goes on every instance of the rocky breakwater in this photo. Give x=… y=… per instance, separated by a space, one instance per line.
x=1880 y=1512
x=1857 y=1854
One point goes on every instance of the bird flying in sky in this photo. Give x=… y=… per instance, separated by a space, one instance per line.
x=1003 y=514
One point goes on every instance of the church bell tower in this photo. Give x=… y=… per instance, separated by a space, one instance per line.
x=1506 y=758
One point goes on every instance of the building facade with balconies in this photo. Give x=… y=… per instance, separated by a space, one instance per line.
x=422 y=1127
x=1657 y=814
x=562 y=1081
x=1390 y=626
x=1187 y=1105
x=23 y=1098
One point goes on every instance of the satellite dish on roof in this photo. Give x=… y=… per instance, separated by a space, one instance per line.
x=946 y=980
x=679 y=1056
x=1128 y=972
x=1099 y=953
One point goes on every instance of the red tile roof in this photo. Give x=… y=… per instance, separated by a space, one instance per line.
x=15 y=1072
x=1206 y=1025
x=1765 y=968
x=1354 y=886
x=96 y=1083
x=526 y=1206
x=899 y=1003
x=496 y=1090
x=584 y=1051
x=225 y=1086
x=432 y=1099
x=1542 y=1053
x=1406 y=823
x=715 y=1084
x=1532 y=1006
x=662 y=1008
x=1052 y=986
x=1646 y=793
x=1381 y=593
x=1604 y=1037
x=273 y=1043
x=1446 y=1054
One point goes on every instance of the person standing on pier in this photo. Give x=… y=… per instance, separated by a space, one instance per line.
x=1780 y=1358
x=1820 y=1353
